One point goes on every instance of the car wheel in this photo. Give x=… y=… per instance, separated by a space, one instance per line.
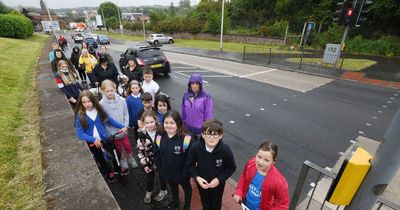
x=170 y=41
x=156 y=42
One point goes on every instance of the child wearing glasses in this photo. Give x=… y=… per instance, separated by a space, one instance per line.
x=211 y=163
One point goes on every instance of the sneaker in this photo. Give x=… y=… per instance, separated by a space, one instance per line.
x=124 y=172
x=147 y=198
x=124 y=164
x=111 y=177
x=132 y=162
x=160 y=196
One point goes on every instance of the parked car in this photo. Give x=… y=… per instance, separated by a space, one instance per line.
x=147 y=57
x=90 y=41
x=156 y=39
x=103 y=39
x=78 y=38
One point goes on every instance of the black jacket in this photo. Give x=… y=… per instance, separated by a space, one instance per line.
x=110 y=73
x=136 y=74
x=218 y=164
x=170 y=159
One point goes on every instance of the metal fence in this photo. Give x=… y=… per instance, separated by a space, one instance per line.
x=308 y=61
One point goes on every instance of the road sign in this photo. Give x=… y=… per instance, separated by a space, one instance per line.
x=331 y=54
x=48 y=26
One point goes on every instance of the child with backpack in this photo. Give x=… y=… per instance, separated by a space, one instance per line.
x=145 y=145
x=115 y=106
x=211 y=163
x=172 y=146
x=90 y=121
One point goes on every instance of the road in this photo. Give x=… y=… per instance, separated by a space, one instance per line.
x=310 y=118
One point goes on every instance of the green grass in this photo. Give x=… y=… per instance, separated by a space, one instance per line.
x=118 y=36
x=20 y=164
x=348 y=64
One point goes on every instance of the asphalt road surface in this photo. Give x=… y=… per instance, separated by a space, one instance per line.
x=313 y=124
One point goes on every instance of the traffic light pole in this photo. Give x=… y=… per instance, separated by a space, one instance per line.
x=385 y=164
x=346 y=30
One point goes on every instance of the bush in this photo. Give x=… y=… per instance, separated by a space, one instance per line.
x=277 y=29
x=389 y=46
x=170 y=25
x=15 y=26
x=333 y=36
x=134 y=26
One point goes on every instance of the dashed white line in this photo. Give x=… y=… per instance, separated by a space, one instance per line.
x=380 y=111
x=274 y=104
x=391 y=98
x=395 y=94
x=262 y=109
x=185 y=67
x=389 y=102
x=373 y=117
x=247 y=115
x=231 y=122
x=185 y=75
x=361 y=132
x=384 y=106
x=285 y=99
x=368 y=124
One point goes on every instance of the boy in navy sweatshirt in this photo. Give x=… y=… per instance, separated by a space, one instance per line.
x=215 y=164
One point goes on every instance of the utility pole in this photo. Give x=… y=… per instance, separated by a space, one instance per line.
x=302 y=35
x=51 y=19
x=104 y=19
x=385 y=165
x=144 y=27
x=121 y=28
x=222 y=26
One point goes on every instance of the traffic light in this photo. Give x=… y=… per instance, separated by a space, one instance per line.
x=345 y=12
x=348 y=10
x=362 y=13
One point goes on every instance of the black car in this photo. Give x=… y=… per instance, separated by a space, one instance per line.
x=91 y=41
x=147 y=57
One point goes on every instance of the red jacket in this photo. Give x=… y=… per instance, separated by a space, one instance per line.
x=274 y=192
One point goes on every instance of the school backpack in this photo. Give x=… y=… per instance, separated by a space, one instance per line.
x=186 y=142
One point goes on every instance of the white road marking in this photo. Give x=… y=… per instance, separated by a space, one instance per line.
x=248 y=115
x=197 y=71
x=184 y=67
x=231 y=122
x=216 y=76
x=391 y=98
x=188 y=76
x=373 y=117
x=380 y=111
x=255 y=73
x=384 y=106
x=395 y=94
x=285 y=99
x=389 y=102
x=274 y=104
x=361 y=132
x=368 y=124
x=262 y=109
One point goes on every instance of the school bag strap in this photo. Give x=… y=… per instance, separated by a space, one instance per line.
x=186 y=142
x=158 y=140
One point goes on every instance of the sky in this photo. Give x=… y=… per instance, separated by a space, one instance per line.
x=56 y=4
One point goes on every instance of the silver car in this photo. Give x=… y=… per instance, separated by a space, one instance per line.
x=156 y=39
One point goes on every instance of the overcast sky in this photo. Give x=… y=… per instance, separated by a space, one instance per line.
x=94 y=3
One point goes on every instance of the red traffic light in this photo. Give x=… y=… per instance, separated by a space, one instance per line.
x=349 y=12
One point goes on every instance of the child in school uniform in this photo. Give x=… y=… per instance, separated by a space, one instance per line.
x=171 y=148
x=149 y=85
x=145 y=145
x=161 y=106
x=134 y=103
x=90 y=127
x=211 y=163
x=115 y=106
x=147 y=101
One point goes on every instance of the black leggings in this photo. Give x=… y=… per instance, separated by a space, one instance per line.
x=211 y=199
x=150 y=182
x=187 y=188
x=82 y=74
x=98 y=155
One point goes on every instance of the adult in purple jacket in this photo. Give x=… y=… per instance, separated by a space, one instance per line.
x=197 y=106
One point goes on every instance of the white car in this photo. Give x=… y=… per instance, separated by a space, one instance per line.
x=157 y=39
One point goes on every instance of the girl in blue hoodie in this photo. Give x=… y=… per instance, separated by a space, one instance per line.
x=90 y=121
x=197 y=106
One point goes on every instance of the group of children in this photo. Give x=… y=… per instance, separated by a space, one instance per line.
x=173 y=146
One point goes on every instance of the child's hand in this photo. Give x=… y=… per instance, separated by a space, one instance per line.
x=202 y=182
x=98 y=143
x=237 y=198
x=214 y=183
x=147 y=169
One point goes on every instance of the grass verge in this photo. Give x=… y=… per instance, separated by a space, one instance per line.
x=349 y=64
x=20 y=163
x=118 y=36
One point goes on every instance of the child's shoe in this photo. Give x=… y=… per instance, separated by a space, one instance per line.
x=147 y=198
x=132 y=161
x=160 y=196
x=111 y=177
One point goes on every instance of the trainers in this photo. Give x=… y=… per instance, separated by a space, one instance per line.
x=111 y=177
x=124 y=172
x=124 y=164
x=160 y=196
x=132 y=161
x=147 y=198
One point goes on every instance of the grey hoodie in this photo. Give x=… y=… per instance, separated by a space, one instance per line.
x=116 y=109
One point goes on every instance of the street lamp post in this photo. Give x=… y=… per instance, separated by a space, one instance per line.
x=120 y=24
x=222 y=25
x=104 y=20
x=144 y=27
x=51 y=19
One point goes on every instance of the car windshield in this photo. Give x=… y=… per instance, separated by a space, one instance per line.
x=149 y=53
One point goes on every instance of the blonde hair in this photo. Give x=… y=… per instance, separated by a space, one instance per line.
x=108 y=83
x=67 y=79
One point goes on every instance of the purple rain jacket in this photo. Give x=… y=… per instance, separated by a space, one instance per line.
x=196 y=108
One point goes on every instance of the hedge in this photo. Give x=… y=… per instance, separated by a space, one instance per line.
x=15 y=26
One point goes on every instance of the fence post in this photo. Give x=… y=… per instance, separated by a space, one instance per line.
x=244 y=53
x=341 y=63
x=299 y=186
x=269 y=55
x=301 y=58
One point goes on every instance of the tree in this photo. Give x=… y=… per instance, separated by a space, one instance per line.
x=4 y=9
x=172 y=10
x=109 y=10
